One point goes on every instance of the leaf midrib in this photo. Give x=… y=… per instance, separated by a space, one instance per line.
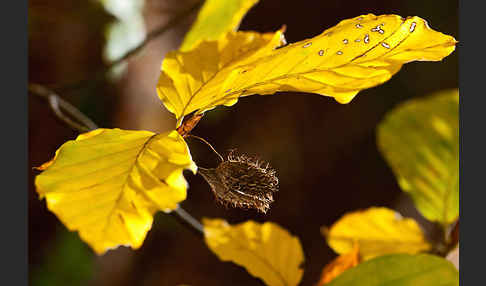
x=228 y=64
x=262 y=259
x=282 y=76
x=110 y=214
x=328 y=69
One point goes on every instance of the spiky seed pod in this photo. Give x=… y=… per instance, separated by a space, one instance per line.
x=242 y=182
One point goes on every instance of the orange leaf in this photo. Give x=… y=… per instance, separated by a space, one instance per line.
x=339 y=265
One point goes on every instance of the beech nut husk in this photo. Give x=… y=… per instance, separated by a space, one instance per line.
x=242 y=182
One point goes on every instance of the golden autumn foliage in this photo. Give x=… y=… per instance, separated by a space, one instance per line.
x=215 y=19
x=108 y=183
x=376 y=231
x=356 y=54
x=266 y=250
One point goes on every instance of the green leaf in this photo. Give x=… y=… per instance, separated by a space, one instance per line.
x=108 y=183
x=420 y=141
x=400 y=270
x=216 y=18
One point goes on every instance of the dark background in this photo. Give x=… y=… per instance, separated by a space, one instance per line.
x=325 y=153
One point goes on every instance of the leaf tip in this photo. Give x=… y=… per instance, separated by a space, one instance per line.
x=340 y=264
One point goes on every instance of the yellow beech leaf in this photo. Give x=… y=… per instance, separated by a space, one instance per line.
x=267 y=251
x=420 y=140
x=377 y=231
x=339 y=265
x=356 y=54
x=108 y=183
x=216 y=18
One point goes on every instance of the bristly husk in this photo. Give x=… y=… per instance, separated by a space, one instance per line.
x=242 y=182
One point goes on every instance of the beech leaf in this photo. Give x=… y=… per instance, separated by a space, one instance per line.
x=377 y=231
x=266 y=250
x=339 y=265
x=400 y=270
x=108 y=183
x=216 y=18
x=420 y=141
x=356 y=54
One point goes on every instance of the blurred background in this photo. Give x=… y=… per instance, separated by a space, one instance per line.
x=325 y=153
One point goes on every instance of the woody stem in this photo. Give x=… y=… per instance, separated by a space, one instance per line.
x=189 y=124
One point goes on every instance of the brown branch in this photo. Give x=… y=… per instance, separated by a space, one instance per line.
x=55 y=101
x=82 y=124
x=150 y=36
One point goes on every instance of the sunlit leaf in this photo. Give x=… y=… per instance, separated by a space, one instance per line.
x=187 y=76
x=339 y=265
x=356 y=54
x=377 y=231
x=216 y=18
x=420 y=141
x=108 y=183
x=267 y=251
x=400 y=270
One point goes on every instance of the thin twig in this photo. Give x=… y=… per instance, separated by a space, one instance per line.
x=57 y=103
x=150 y=36
x=185 y=218
x=207 y=143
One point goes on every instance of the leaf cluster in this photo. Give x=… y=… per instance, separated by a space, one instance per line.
x=108 y=183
